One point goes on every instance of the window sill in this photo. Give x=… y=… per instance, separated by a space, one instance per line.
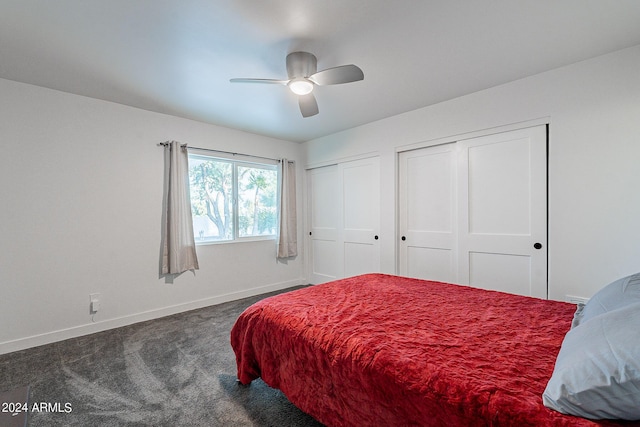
x=240 y=240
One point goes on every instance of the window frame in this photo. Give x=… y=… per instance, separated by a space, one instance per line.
x=235 y=164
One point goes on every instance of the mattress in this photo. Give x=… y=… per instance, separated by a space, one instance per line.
x=378 y=350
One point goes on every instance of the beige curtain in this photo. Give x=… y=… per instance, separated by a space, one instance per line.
x=287 y=228
x=179 y=247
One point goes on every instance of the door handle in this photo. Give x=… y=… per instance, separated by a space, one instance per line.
x=375 y=237
x=404 y=238
x=537 y=245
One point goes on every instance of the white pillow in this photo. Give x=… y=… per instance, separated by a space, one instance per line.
x=597 y=372
x=615 y=295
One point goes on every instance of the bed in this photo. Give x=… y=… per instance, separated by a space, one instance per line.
x=378 y=350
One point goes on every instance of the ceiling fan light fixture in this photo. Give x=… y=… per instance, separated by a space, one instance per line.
x=300 y=86
x=302 y=70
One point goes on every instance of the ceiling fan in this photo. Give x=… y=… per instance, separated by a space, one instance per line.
x=302 y=69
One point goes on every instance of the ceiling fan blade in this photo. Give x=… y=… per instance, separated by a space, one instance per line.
x=308 y=105
x=270 y=81
x=338 y=75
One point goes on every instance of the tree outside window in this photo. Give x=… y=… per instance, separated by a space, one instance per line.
x=232 y=200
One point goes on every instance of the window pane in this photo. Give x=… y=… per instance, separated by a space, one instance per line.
x=211 y=198
x=257 y=201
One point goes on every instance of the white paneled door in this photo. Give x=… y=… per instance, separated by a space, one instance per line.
x=324 y=219
x=485 y=199
x=427 y=220
x=503 y=215
x=361 y=216
x=344 y=219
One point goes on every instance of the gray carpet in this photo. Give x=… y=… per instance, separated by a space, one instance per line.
x=176 y=371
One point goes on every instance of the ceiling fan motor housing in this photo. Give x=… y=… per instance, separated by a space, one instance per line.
x=301 y=64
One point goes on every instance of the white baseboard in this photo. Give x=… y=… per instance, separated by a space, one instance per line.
x=91 y=328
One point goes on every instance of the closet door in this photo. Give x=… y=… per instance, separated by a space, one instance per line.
x=361 y=216
x=503 y=212
x=427 y=218
x=324 y=219
x=474 y=212
x=343 y=212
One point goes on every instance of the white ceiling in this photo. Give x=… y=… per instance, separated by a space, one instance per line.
x=177 y=56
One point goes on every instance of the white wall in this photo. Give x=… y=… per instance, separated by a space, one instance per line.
x=81 y=183
x=593 y=108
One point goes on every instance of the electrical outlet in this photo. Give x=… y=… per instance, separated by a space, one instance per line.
x=94 y=303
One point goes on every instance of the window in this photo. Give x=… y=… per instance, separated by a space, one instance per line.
x=232 y=200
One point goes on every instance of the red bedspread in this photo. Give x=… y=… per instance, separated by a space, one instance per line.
x=378 y=350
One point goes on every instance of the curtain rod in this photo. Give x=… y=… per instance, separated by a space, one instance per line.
x=225 y=152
